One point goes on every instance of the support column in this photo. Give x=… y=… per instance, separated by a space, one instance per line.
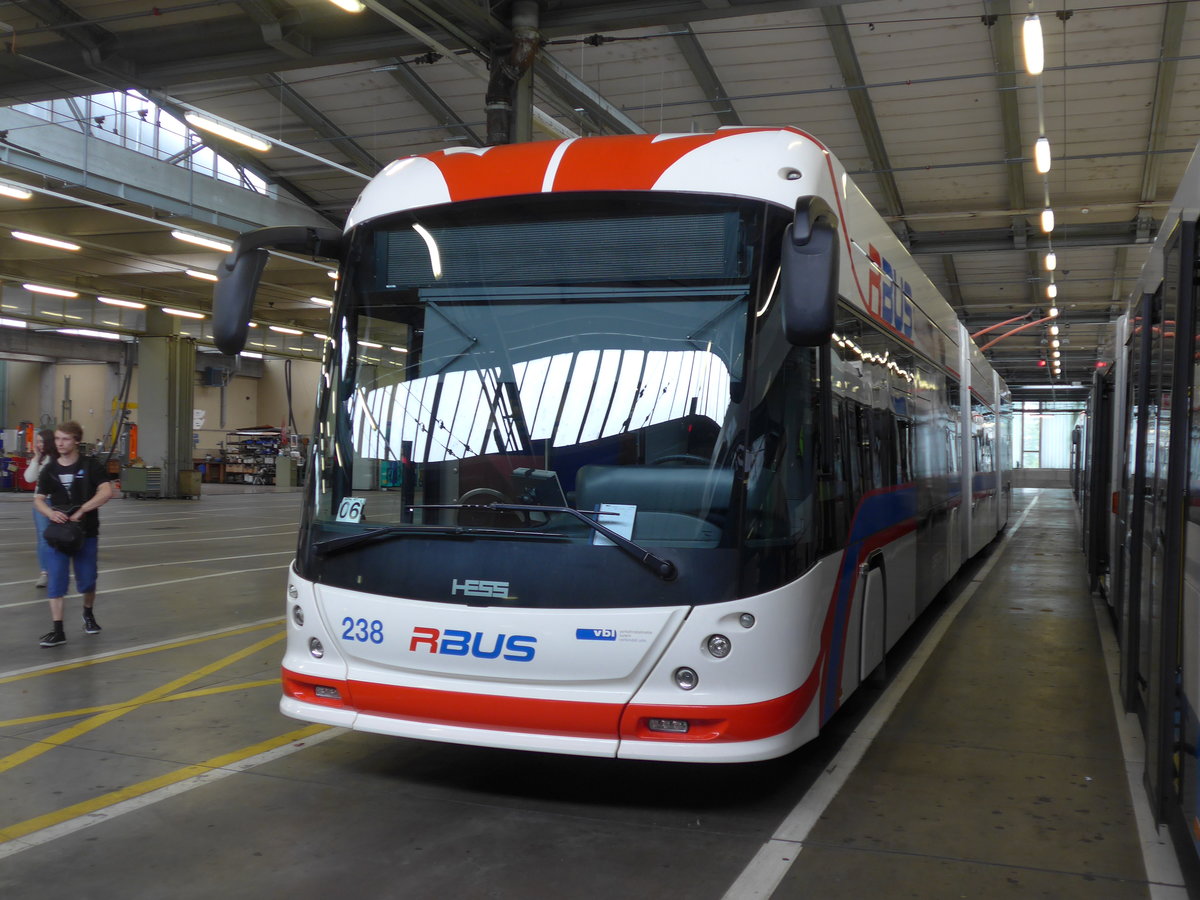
x=522 y=131
x=166 y=376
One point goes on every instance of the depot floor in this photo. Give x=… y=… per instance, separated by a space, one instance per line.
x=150 y=760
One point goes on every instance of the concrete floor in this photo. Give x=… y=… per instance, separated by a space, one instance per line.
x=150 y=761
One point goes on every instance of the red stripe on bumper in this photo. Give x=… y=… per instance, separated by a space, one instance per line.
x=570 y=718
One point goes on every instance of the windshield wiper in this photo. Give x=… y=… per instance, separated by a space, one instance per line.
x=663 y=568
x=338 y=544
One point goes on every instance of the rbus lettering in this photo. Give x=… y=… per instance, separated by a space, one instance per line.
x=452 y=642
x=517 y=649
x=889 y=297
x=497 y=646
x=424 y=636
x=455 y=643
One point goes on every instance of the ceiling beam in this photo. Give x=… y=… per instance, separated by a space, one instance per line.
x=1100 y=234
x=1000 y=30
x=688 y=43
x=432 y=103
x=319 y=122
x=953 y=288
x=1174 y=16
x=558 y=85
x=864 y=111
x=279 y=31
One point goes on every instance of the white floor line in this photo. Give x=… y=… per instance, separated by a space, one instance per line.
x=177 y=562
x=125 y=589
x=773 y=860
x=157 y=540
x=1163 y=873
x=54 y=832
x=194 y=636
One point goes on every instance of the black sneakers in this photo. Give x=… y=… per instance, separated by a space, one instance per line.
x=55 y=638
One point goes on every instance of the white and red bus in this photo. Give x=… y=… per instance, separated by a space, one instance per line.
x=640 y=446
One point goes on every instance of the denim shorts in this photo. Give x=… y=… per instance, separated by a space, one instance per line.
x=85 y=569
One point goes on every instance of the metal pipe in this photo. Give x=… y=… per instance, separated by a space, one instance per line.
x=506 y=71
x=1017 y=329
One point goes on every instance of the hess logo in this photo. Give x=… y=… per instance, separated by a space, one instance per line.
x=452 y=642
x=473 y=588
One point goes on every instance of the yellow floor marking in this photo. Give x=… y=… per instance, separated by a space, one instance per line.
x=87 y=807
x=84 y=663
x=92 y=710
x=81 y=728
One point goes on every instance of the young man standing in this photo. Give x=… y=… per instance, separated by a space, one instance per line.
x=72 y=486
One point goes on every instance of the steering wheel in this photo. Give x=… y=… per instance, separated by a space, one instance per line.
x=476 y=493
x=687 y=458
x=478 y=513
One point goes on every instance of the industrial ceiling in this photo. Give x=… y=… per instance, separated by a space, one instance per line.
x=926 y=103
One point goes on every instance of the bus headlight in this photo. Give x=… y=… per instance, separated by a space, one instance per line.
x=293 y=592
x=298 y=616
x=719 y=645
x=685 y=678
x=316 y=648
x=746 y=620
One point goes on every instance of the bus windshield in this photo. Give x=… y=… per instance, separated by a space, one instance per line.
x=513 y=384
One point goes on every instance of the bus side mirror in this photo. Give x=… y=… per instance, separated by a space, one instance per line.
x=808 y=280
x=238 y=275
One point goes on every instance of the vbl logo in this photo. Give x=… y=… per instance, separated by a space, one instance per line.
x=889 y=299
x=452 y=642
x=595 y=634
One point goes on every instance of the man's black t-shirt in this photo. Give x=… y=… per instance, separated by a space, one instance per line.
x=58 y=483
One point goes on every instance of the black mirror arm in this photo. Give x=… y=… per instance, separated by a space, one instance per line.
x=238 y=274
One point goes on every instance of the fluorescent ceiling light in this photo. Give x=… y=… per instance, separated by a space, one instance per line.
x=11 y=190
x=1051 y=290
x=1031 y=41
x=89 y=332
x=1051 y=261
x=201 y=240
x=186 y=313
x=1054 y=329
x=116 y=301
x=1041 y=155
x=227 y=131
x=320 y=301
x=52 y=291
x=251 y=354
x=332 y=273
x=1053 y=312
x=370 y=344
x=45 y=241
x=13 y=323
x=350 y=6
x=399 y=349
x=203 y=276
x=285 y=330
x=1047 y=220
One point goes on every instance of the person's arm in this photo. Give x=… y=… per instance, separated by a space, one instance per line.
x=41 y=502
x=104 y=492
x=31 y=472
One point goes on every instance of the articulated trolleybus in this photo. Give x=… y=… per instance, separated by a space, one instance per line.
x=639 y=446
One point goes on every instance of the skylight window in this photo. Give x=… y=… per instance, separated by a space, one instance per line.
x=134 y=122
